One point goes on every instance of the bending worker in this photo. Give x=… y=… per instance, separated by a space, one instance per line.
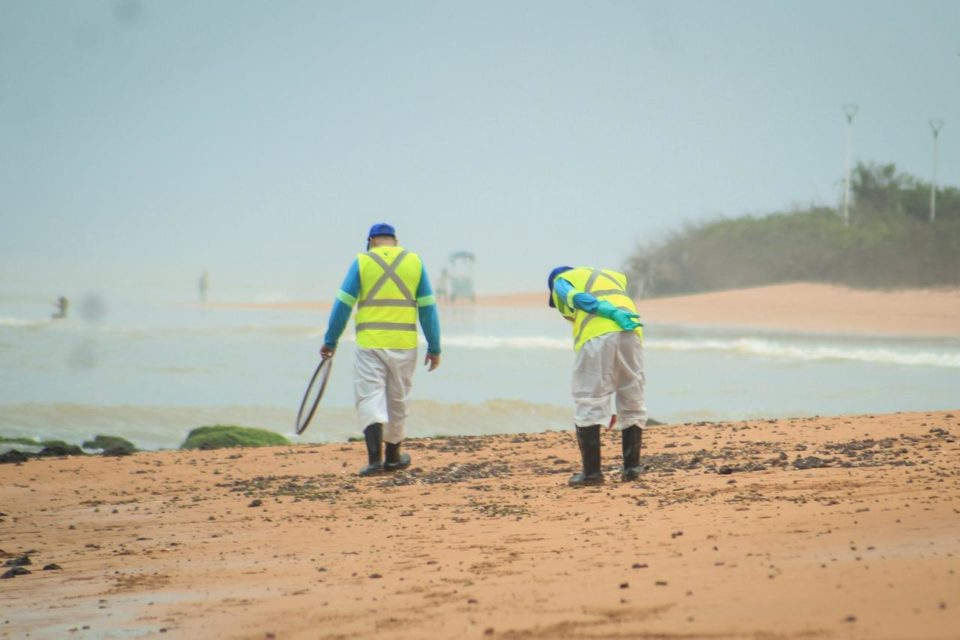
x=608 y=341
x=391 y=290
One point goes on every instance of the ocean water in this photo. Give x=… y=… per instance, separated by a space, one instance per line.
x=152 y=372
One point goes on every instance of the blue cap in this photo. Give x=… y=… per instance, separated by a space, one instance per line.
x=382 y=229
x=553 y=276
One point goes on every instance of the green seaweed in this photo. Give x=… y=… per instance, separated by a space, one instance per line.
x=109 y=443
x=30 y=442
x=226 y=436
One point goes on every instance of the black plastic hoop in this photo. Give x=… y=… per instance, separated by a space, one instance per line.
x=323 y=374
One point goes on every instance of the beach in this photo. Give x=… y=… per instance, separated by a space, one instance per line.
x=833 y=527
x=805 y=483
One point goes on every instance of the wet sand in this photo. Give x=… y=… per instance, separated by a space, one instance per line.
x=799 y=528
x=802 y=307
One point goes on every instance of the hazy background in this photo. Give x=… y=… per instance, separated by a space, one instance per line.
x=142 y=142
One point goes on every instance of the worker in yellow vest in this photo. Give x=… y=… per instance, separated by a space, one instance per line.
x=391 y=290
x=608 y=341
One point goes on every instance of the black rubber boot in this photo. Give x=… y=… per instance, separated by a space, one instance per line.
x=589 y=440
x=631 y=439
x=395 y=460
x=373 y=434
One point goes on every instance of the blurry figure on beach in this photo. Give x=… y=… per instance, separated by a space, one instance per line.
x=203 y=284
x=443 y=282
x=391 y=289
x=62 y=305
x=608 y=341
x=461 y=276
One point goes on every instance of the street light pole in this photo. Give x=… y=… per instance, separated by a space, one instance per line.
x=850 y=110
x=935 y=126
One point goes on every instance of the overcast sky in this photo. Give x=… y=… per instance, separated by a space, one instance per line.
x=142 y=142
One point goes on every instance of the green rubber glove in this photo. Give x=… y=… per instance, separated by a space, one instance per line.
x=627 y=320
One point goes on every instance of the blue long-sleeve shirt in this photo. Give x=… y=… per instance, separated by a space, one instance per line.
x=579 y=300
x=347 y=297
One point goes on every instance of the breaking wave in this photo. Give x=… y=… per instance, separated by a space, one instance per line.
x=781 y=350
x=739 y=346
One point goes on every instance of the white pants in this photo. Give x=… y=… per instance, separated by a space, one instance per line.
x=608 y=368
x=382 y=382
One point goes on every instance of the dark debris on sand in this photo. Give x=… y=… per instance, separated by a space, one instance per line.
x=449 y=474
x=324 y=487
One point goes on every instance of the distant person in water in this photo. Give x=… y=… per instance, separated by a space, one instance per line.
x=608 y=341
x=62 y=305
x=391 y=289
x=202 y=286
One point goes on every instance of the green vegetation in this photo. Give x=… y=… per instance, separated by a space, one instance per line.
x=30 y=442
x=889 y=243
x=225 y=436
x=108 y=443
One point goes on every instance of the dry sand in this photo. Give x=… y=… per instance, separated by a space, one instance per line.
x=726 y=535
x=804 y=307
x=815 y=308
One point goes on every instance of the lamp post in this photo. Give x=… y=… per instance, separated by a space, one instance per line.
x=935 y=126
x=849 y=110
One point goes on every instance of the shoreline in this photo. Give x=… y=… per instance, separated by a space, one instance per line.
x=799 y=307
x=809 y=527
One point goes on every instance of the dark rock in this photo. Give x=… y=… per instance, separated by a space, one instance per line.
x=119 y=450
x=13 y=572
x=810 y=462
x=58 y=448
x=53 y=566
x=13 y=456
x=20 y=561
x=256 y=503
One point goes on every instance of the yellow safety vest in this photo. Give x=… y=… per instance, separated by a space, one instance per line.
x=387 y=306
x=602 y=284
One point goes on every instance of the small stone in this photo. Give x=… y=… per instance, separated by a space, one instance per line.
x=53 y=566
x=850 y=618
x=639 y=565
x=624 y=585
x=20 y=561
x=256 y=503
x=375 y=576
x=13 y=572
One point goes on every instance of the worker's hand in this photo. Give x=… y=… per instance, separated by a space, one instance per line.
x=432 y=361
x=326 y=352
x=628 y=321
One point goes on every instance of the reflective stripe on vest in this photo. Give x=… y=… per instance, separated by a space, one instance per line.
x=387 y=306
x=609 y=286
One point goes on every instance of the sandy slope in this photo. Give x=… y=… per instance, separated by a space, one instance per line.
x=804 y=307
x=815 y=307
x=482 y=539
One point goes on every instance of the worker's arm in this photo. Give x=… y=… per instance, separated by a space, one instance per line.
x=576 y=299
x=429 y=320
x=342 y=308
